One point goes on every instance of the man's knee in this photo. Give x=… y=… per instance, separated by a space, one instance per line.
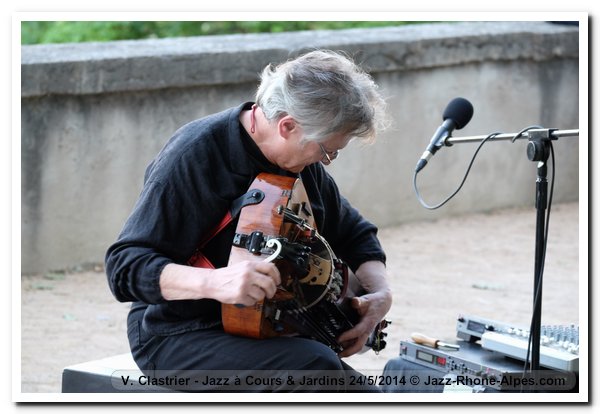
x=317 y=356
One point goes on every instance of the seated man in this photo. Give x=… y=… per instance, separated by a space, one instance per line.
x=306 y=111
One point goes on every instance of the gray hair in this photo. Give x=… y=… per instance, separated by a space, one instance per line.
x=326 y=93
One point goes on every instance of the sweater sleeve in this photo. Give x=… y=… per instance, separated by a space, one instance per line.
x=135 y=261
x=177 y=206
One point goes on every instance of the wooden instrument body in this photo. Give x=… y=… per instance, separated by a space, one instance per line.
x=314 y=296
x=250 y=321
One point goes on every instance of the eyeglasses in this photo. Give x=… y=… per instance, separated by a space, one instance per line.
x=328 y=156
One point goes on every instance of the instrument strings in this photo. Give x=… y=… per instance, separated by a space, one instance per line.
x=317 y=327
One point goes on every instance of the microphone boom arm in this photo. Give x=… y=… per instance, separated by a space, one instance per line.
x=537 y=150
x=449 y=141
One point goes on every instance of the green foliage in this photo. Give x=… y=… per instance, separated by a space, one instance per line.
x=82 y=31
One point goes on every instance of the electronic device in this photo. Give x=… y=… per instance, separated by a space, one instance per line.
x=471 y=362
x=559 y=343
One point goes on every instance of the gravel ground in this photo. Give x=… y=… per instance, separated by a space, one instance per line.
x=479 y=264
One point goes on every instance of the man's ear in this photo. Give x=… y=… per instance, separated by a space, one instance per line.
x=287 y=126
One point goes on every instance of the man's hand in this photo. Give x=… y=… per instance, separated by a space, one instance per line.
x=244 y=283
x=371 y=307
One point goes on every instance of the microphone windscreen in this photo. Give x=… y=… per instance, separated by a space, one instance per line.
x=460 y=111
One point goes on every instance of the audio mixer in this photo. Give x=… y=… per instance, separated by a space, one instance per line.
x=559 y=348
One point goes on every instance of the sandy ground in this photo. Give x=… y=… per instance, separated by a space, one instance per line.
x=477 y=264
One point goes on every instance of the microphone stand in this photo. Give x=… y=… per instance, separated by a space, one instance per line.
x=538 y=149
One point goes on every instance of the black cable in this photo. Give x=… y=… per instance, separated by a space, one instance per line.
x=490 y=136
x=427 y=206
x=537 y=294
x=521 y=132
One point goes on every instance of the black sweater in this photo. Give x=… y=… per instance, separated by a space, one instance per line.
x=188 y=188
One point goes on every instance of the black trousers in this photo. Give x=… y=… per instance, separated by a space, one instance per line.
x=211 y=360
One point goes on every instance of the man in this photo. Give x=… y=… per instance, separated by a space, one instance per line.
x=306 y=111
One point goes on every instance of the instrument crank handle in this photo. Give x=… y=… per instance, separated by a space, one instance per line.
x=278 y=249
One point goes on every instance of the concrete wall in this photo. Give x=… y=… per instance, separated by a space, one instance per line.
x=93 y=115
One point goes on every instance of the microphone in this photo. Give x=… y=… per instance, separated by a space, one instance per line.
x=457 y=114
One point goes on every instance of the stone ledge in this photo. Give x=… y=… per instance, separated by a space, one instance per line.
x=108 y=67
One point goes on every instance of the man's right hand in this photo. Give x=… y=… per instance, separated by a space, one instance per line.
x=245 y=283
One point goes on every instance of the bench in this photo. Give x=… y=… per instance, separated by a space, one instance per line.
x=115 y=374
